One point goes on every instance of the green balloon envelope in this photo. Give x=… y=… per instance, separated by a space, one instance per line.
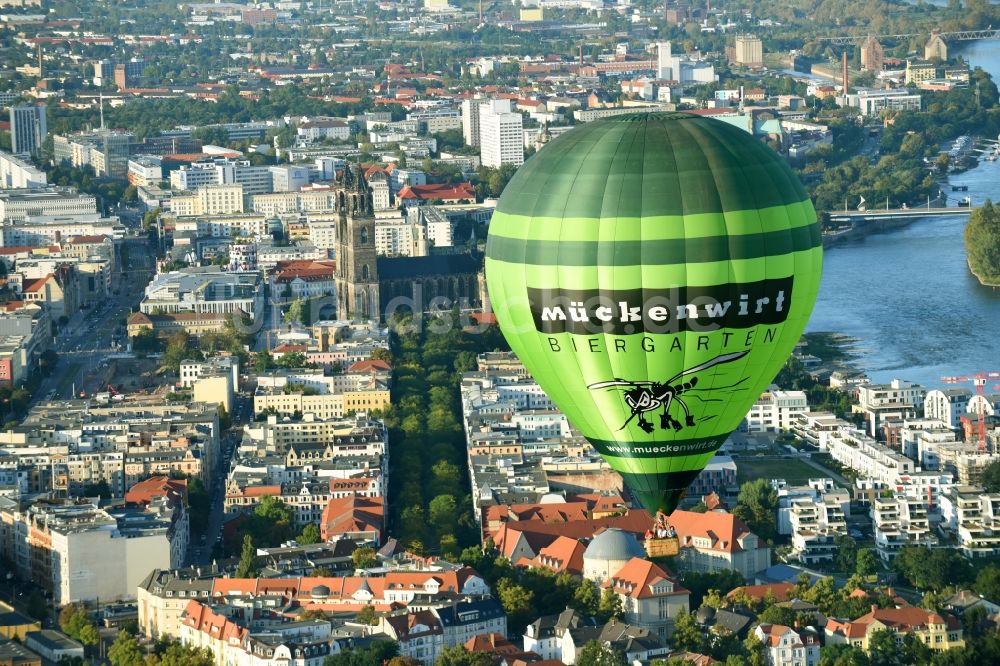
x=653 y=272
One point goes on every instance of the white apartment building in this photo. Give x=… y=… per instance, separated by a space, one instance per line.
x=397 y=238
x=18 y=205
x=900 y=521
x=225 y=226
x=209 y=200
x=16 y=173
x=784 y=646
x=254 y=179
x=919 y=439
x=898 y=400
x=816 y=524
x=500 y=134
x=947 y=405
x=470 y=121
x=973 y=516
x=776 y=411
x=89 y=553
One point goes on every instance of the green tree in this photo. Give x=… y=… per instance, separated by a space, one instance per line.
x=991 y=474
x=687 y=635
x=125 y=651
x=368 y=616
x=296 y=312
x=586 y=598
x=842 y=655
x=847 y=553
x=884 y=651
x=364 y=557
x=442 y=511
x=247 y=567
x=867 y=563
x=517 y=601
x=459 y=656
x=89 y=635
x=757 y=506
x=596 y=653
x=310 y=534
x=982 y=247
x=376 y=654
x=610 y=607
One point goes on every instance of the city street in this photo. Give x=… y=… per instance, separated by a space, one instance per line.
x=87 y=339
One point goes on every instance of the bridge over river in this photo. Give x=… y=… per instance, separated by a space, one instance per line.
x=884 y=214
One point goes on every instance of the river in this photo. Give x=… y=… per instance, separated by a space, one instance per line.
x=907 y=295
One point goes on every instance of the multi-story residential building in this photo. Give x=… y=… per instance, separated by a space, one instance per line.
x=899 y=400
x=470 y=120
x=396 y=237
x=973 y=516
x=246 y=225
x=208 y=290
x=325 y=396
x=501 y=134
x=718 y=541
x=562 y=637
x=718 y=474
x=18 y=205
x=78 y=552
x=145 y=170
x=423 y=635
x=785 y=646
x=162 y=595
x=16 y=173
x=650 y=597
x=209 y=200
x=324 y=128
x=776 y=411
x=947 y=405
x=28 y=128
x=816 y=524
x=900 y=521
x=938 y=632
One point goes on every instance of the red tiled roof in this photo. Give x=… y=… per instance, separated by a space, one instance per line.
x=352 y=514
x=157 y=486
x=723 y=530
x=371 y=364
x=563 y=554
x=638 y=576
x=456 y=192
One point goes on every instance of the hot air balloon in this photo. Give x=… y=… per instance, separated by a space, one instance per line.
x=653 y=272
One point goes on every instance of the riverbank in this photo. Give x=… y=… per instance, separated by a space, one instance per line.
x=981 y=279
x=826 y=352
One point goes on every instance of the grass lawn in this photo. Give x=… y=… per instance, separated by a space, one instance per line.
x=795 y=472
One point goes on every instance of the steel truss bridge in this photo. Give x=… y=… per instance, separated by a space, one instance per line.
x=960 y=35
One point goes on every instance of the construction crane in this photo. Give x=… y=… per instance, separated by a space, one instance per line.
x=978 y=380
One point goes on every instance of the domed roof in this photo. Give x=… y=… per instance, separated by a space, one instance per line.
x=320 y=591
x=613 y=544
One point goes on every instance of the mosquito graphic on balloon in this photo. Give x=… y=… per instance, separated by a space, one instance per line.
x=649 y=396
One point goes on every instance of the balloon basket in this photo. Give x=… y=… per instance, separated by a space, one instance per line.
x=662 y=547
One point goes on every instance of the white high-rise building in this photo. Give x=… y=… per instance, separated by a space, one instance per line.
x=664 y=62
x=470 y=121
x=501 y=134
